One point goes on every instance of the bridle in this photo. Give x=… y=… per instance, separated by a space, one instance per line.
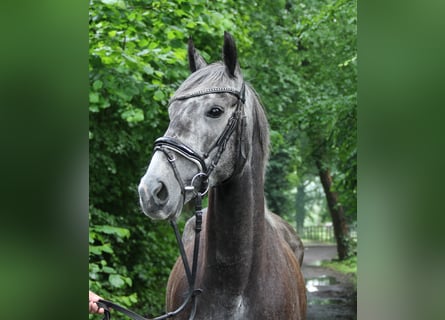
x=167 y=144
x=199 y=187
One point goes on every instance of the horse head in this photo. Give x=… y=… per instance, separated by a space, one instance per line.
x=205 y=143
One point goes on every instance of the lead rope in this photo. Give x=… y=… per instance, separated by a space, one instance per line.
x=191 y=275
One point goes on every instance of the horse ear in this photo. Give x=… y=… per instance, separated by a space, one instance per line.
x=229 y=53
x=196 y=61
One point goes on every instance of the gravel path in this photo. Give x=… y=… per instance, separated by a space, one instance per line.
x=330 y=294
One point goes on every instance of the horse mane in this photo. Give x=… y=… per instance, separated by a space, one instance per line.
x=261 y=126
x=215 y=75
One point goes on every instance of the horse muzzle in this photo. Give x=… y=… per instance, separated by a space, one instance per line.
x=153 y=198
x=159 y=193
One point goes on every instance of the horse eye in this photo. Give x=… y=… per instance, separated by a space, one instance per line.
x=215 y=112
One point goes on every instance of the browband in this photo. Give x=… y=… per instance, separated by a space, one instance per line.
x=239 y=94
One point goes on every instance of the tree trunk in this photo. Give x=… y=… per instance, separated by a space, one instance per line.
x=300 y=208
x=336 y=211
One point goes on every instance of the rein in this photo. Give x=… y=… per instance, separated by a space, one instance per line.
x=191 y=275
x=199 y=186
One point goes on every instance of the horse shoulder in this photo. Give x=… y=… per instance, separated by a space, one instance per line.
x=300 y=311
x=285 y=287
x=287 y=233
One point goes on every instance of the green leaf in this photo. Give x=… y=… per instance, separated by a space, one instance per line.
x=94 y=108
x=105 y=104
x=191 y=24
x=94 y=97
x=130 y=58
x=118 y=3
x=116 y=280
x=180 y=54
x=128 y=281
x=107 y=269
x=97 y=84
x=133 y=115
x=170 y=34
x=120 y=232
x=159 y=95
x=148 y=70
x=98 y=250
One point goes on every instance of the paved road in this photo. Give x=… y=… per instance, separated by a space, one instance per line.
x=330 y=294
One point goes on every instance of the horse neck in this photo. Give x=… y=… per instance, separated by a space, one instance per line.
x=235 y=225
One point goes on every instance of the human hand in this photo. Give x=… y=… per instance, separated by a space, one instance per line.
x=92 y=299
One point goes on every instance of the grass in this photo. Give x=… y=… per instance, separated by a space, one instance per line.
x=348 y=266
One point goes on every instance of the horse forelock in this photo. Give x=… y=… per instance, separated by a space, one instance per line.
x=212 y=76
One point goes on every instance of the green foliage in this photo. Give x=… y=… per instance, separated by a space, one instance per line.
x=137 y=59
x=106 y=273
x=329 y=116
x=306 y=74
x=332 y=117
x=303 y=67
x=280 y=180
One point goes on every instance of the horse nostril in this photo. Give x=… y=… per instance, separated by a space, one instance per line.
x=160 y=194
